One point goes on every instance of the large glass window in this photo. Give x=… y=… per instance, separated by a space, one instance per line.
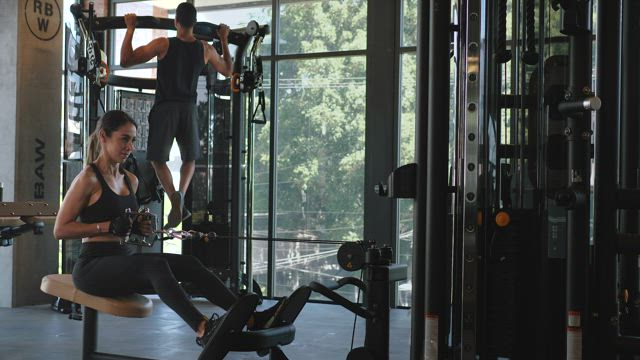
x=407 y=155
x=322 y=26
x=261 y=186
x=319 y=158
x=238 y=17
x=299 y=263
x=410 y=22
x=261 y=161
x=320 y=151
x=319 y=148
x=164 y=9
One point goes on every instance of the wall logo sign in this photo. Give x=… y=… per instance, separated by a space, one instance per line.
x=43 y=18
x=38 y=185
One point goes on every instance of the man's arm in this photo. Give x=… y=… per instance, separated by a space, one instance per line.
x=223 y=64
x=142 y=54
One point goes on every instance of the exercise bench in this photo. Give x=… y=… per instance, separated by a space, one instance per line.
x=263 y=342
x=133 y=305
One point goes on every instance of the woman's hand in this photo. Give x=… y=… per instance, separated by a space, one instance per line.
x=142 y=225
x=121 y=226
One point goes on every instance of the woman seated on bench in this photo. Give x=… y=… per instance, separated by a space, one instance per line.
x=98 y=197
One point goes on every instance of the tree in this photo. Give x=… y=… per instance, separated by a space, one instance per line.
x=321 y=122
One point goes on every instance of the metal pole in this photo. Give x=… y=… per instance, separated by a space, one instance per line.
x=237 y=174
x=606 y=147
x=249 y=197
x=577 y=24
x=471 y=111
x=273 y=153
x=436 y=295
x=420 y=203
x=629 y=151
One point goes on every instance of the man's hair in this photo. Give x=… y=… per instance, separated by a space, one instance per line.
x=186 y=14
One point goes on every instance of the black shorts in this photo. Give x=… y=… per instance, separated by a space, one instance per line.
x=169 y=120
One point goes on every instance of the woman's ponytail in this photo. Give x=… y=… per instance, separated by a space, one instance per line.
x=111 y=121
x=93 y=150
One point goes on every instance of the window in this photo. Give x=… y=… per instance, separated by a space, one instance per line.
x=299 y=263
x=410 y=22
x=322 y=26
x=321 y=149
x=164 y=9
x=238 y=18
x=404 y=249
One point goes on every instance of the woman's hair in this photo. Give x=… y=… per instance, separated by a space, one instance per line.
x=111 y=121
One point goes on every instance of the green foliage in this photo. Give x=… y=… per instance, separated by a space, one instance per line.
x=408 y=108
x=410 y=22
x=320 y=26
x=321 y=124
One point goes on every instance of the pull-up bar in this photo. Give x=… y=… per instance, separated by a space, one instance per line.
x=202 y=30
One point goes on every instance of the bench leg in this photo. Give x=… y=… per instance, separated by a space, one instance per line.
x=277 y=354
x=90 y=339
x=90 y=333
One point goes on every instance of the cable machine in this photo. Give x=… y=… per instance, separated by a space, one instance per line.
x=525 y=225
x=225 y=125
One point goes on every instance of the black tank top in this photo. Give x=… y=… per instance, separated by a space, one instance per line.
x=178 y=71
x=110 y=205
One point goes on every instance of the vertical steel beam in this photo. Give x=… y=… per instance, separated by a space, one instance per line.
x=238 y=176
x=273 y=149
x=606 y=147
x=629 y=149
x=418 y=344
x=577 y=24
x=578 y=133
x=381 y=148
x=471 y=108
x=436 y=294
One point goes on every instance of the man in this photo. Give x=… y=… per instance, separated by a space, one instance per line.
x=174 y=113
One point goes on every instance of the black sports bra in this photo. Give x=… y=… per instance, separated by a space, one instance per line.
x=110 y=205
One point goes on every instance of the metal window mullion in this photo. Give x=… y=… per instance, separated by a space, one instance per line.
x=241 y=5
x=397 y=100
x=317 y=55
x=273 y=146
x=407 y=49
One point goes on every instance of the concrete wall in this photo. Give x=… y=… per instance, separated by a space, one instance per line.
x=32 y=92
x=8 y=86
x=8 y=61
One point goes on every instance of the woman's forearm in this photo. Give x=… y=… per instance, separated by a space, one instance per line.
x=75 y=230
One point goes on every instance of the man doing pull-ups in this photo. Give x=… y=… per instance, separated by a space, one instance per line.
x=181 y=59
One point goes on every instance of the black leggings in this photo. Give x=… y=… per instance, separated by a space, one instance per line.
x=117 y=275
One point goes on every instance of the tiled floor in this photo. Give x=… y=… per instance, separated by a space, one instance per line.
x=37 y=333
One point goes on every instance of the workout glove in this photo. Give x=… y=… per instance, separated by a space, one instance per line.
x=142 y=225
x=121 y=226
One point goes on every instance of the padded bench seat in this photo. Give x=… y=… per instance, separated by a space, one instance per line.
x=61 y=285
x=134 y=305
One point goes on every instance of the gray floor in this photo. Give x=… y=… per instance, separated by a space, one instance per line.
x=36 y=332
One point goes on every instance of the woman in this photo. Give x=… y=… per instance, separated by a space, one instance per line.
x=94 y=209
